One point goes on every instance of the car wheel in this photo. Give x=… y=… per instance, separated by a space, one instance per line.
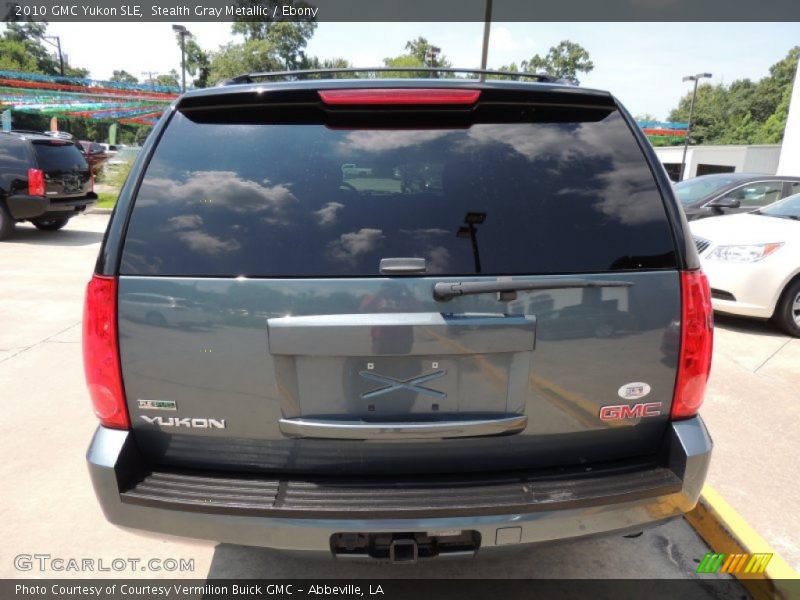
x=50 y=224
x=787 y=314
x=6 y=223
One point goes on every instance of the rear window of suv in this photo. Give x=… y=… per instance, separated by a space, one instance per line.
x=52 y=156
x=288 y=200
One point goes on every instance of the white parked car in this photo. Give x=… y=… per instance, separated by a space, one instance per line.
x=752 y=262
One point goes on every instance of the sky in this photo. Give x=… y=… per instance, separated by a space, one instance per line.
x=640 y=63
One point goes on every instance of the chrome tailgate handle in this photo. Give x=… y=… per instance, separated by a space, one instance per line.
x=402 y=266
x=364 y=430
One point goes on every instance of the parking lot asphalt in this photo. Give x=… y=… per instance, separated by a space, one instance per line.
x=48 y=505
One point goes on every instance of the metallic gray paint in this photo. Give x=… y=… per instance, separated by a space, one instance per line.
x=263 y=350
x=689 y=454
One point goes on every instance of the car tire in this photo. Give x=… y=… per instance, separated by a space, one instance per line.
x=787 y=314
x=7 y=224
x=50 y=224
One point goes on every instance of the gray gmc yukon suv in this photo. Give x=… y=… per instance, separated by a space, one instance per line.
x=396 y=318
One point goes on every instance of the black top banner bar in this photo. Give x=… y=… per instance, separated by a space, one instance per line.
x=402 y=10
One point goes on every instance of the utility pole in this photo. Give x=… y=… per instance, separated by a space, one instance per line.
x=150 y=76
x=183 y=32
x=694 y=78
x=487 y=24
x=57 y=45
x=430 y=56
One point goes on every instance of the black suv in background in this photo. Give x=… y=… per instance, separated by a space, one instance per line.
x=43 y=179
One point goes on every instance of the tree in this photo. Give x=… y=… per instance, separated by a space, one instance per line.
x=423 y=51
x=171 y=79
x=237 y=59
x=23 y=48
x=14 y=56
x=123 y=77
x=29 y=37
x=419 y=53
x=198 y=64
x=743 y=112
x=328 y=63
x=288 y=37
x=563 y=61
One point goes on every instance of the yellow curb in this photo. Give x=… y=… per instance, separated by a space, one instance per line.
x=725 y=531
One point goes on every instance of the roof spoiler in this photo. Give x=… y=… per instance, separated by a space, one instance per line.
x=369 y=72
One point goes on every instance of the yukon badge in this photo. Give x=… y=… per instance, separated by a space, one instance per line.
x=188 y=422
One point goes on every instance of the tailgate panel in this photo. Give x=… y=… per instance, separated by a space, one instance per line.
x=253 y=352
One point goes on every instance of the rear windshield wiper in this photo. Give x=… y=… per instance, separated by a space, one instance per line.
x=444 y=291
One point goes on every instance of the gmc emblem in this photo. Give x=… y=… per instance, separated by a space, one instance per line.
x=618 y=412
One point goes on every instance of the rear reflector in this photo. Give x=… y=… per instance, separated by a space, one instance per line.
x=35 y=182
x=101 y=353
x=697 y=342
x=399 y=96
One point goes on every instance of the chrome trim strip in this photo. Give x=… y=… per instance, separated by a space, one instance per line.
x=363 y=430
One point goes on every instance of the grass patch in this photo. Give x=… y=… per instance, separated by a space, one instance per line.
x=106 y=199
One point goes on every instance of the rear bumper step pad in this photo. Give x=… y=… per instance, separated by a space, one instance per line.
x=409 y=498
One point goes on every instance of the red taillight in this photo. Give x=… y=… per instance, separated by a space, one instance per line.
x=399 y=96
x=101 y=353
x=697 y=342
x=35 y=182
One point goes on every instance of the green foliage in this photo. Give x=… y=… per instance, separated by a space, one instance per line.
x=287 y=38
x=236 y=59
x=419 y=53
x=116 y=177
x=82 y=129
x=563 y=61
x=14 y=56
x=123 y=77
x=106 y=199
x=23 y=48
x=420 y=49
x=404 y=60
x=289 y=41
x=171 y=79
x=198 y=65
x=328 y=63
x=743 y=112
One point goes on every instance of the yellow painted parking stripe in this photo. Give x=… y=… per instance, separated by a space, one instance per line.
x=726 y=532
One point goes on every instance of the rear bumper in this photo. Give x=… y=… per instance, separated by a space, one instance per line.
x=293 y=516
x=31 y=207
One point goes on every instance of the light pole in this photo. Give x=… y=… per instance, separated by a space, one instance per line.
x=694 y=78
x=151 y=77
x=469 y=231
x=183 y=32
x=430 y=56
x=57 y=45
x=487 y=24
